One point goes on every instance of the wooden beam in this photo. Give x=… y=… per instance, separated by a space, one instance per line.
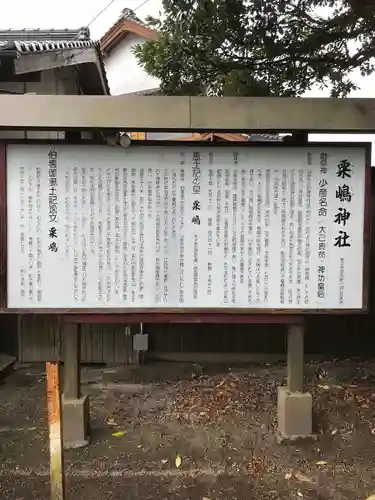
x=158 y=113
x=282 y=114
x=55 y=431
x=72 y=356
x=174 y=318
x=295 y=358
x=133 y=113
x=45 y=61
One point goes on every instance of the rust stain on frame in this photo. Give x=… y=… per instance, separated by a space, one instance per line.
x=55 y=431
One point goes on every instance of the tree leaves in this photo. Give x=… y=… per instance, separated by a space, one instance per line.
x=255 y=48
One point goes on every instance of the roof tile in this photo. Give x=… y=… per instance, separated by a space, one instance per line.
x=38 y=35
x=47 y=46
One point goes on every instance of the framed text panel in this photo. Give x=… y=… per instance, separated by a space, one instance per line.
x=186 y=227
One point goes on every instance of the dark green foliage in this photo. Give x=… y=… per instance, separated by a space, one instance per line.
x=260 y=47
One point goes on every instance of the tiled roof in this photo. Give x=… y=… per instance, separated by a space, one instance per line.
x=18 y=43
x=48 y=46
x=265 y=137
x=43 y=35
x=123 y=27
x=147 y=92
x=15 y=42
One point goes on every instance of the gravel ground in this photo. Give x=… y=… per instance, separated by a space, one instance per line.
x=170 y=431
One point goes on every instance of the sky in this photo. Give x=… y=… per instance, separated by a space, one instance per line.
x=78 y=13
x=71 y=13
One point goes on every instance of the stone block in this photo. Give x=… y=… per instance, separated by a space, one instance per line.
x=294 y=412
x=76 y=422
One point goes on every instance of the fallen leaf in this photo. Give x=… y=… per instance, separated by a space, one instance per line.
x=325 y=387
x=321 y=462
x=334 y=431
x=205 y=498
x=178 y=461
x=288 y=475
x=139 y=446
x=371 y=497
x=111 y=422
x=299 y=494
x=301 y=477
x=119 y=434
x=164 y=461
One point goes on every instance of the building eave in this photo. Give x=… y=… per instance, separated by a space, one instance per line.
x=120 y=30
x=101 y=70
x=88 y=67
x=33 y=47
x=41 y=50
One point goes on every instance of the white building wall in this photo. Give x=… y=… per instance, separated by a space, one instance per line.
x=124 y=74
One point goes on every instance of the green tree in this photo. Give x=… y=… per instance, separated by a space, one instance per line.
x=260 y=47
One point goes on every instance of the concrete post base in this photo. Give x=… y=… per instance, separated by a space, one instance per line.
x=294 y=411
x=76 y=422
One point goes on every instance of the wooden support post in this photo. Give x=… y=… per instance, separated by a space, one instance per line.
x=295 y=358
x=294 y=407
x=72 y=356
x=55 y=431
x=76 y=411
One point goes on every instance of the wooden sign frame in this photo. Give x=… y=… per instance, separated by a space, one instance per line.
x=183 y=315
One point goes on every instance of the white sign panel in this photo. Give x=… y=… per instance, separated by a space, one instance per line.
x=188 y=227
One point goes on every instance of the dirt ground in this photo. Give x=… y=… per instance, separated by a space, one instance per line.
x=219 y=422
